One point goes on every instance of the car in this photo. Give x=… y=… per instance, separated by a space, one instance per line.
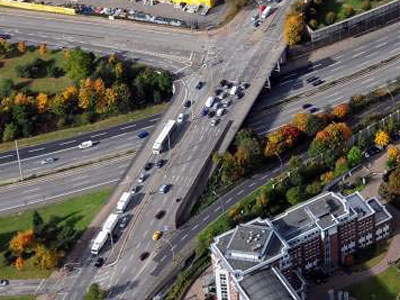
x=157 y=235
x=217 y=105
x=257 y=23
x=141 y=178
x=396 y=136
x=223 y=82
x=311 y=79
x=5 y=36
x=47 y=161
x=199 y=85
x=244 y=85
x=226 y=103
x=144 y=255
x=136 y=189
x=306 y=106
x=159 y=215
x=317 y=82
x=148 y=166
x=314 y=110
x=255 y=17
x=187 y=104
x=218 y=92
x=211 y=113
x=220 y=112
x=4 y=282
x=204 y=112
x=159 y=163
x=99 y=262
x=214 y=122
x=164 y=188
x=85 y=145
x=142 y=134
x=372 y=151
x=123 y=222
x=180 y=119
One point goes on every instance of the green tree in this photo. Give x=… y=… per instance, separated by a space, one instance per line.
x=313 y=23
x=95 y=293
x=314 y=188
x=366 y=5
x=294 y=195
x=37 y=221
x=354 y=156
x=393 y=185
x=10 y=132
x=313 y=125
x=79 y=64
x=247 y=142
x=330 y=18
x=6 y=87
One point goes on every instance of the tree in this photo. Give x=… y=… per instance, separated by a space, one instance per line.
x=293 y=29
x=366 y=5
x=22 y=241
x=19 y=263
x=393 y=185
x=10 y=132
x=79 y=64
x=46 y=258
x=393 y=153
x=42 y=102
x=348 y=11
x=354 y=156
x=314 y=188
x=357 y=101
x=6 y=87
x=43 y=49
x=327 y=177
x=249 y=146
x=294 y=195
x=21 y=47
x=95 y=293
x=330 y=18
x=381 y=138
x=313 y=23
x=341 y=166
x=340 y=111
x=37 y=221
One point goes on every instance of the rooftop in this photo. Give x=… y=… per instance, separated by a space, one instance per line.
x=359 y=205
x=381 y=214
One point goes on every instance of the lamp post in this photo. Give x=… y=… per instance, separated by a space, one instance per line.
x=219 y=199
x=280 y=160
x=19 y=161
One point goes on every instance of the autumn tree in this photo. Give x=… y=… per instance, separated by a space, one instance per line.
x=293 y=29
x=357 y=101
x=382 y=138
x=42 y=102
x=19 y=263
x=43 y=49
x=393 y=153
x=340 y=111
x=22 y=241
x=21 y=47
x=327 y=177
x=308 y=123
x=86 y=94
x=46 y=258
x=341 y=166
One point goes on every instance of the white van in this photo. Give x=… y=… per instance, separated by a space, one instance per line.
x=85 y=145
x=266 y=12
x=210 y=101
x=220 y=112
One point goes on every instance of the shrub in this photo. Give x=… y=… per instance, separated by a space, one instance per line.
x=314 y=188
x=294 y=195
x=357 y=101
x=10 y=132
x=348 y=11
x=293 y=29
x=330 y=18
x=6 y=87
x=366 y=5
x=313 y=23
x=341 y=110
x=33 y=69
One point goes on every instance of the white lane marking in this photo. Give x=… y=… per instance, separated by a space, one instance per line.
x=317 y=65
x=252 y=184
x=364 y=63
x=127 y=127
x=66 y=143
x=99 y=134
x=184 y=237
x=164 y=257
x=29 y=191
x=240 y=192
x=275 y=170
x=264 y=177
x=153 y=120
x=124 y=269
x=369 y=80
x=290 y=75
x=195 y=226
x=338 y=68
x=206 y=217
x=229 y=200
x=287 y=81
x=393 y=51
x=119 y=135
x=37 y=149
x=81 y=183
x=358 y=54
x=148 y=127
x=6 y=156
x=137 y=246
x=380 y=45
x=338 y=62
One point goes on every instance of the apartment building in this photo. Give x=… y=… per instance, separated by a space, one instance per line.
x=264 y=259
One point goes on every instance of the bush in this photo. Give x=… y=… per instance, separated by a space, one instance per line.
x=366 y=5
x=6 y=87
x=314 y=189
x=313 y=23
x=330 y=18
x=10 y=132
x=348 y=11
x=294 y=195
x=34 y=69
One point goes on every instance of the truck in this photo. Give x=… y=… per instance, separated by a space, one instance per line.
x=123 y=202
x=164 y=136
x=110 y=223
x=266 y=12
x=210 y=101
x=99 y=242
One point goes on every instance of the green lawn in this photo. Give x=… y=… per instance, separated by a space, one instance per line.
x=79 y=210
x=383 y=286
x=367 y=258
x=48 y=85
x=71 y=132
x=26 y=297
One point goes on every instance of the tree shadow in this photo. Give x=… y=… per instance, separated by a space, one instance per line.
x=120 y=289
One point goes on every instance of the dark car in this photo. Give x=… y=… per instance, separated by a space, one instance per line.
x=159 y=163
x=199 y=85
x=306 y=106
x=123 y=222
x=148 y=166
x=396 y=136
x=99 y=262
x=4 y=282
x=187 y=104
x=144 y=255
x=311 y=79
x=257 y=23
x=317 y=82
x=373 y=150
x=211 y=113
x=204 y=112
x=314 y=109
x=160 y=214
x=142 y=134
x=136 y=189
x=223 y=82
x=218 y=92
x=5 y=36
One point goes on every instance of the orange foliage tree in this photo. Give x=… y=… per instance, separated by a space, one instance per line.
x=341 y=110
x=43 y=49
x=42 y=102
x=293 y=29
x=382 y=138
x=21 y=47
x=22 y=241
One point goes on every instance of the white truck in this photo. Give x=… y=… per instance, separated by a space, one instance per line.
x=266 y=12
x=99 y=242
x=123 y=202
x=110 y=223
x=210 y=101
x=85 y=145
x=164 y=136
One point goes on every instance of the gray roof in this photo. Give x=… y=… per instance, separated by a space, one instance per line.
x=359 y=205
x=380 y=213
x=265 y=285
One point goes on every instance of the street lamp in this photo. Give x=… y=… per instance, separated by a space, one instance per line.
x=280 y=160
x=219 y=199
x=391 y=96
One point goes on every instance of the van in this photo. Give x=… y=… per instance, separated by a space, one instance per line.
x=220 y=112
x=233 y=90
x=85 y=145
x=266 y=12
x=210 y=101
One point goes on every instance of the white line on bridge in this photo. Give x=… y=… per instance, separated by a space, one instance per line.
x=127 y=127
x=358 y=54
x=5 y=156
x=66 y=143
x=119 y=135
x=35 y=150
x=99 y=134
x=240 y=192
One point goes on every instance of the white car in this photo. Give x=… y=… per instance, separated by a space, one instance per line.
x=220 y=112
x=85 y=145
x=47 y=161
x=141 y=178
x=181 y=118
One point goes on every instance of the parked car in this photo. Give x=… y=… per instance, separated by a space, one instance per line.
x=136 y=189
x=142 y=134
x=99 y=262
x=164 y=188
x=180 y=119
x=226 y=103
x=214 y=122
x=199 y=85
x=141 y=178
x=373 y=150
x=144 y=255
x=204 y=112
x=306 y=106
x=255 y=17
x=148 y=166
x=4 y=282
x=159 y=215
x=187 y=104
x=159 y=163
x=211 y=113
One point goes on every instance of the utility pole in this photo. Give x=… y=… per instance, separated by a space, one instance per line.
x=19 y=162
x=391 y=96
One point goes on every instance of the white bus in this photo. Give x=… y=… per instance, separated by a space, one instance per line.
x=266 y=12
x=99 y=242
x=123 y=202
x=162 y=139
x=110 y=223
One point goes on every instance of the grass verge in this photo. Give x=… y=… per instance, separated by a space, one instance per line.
x=24 y=297
x=70 y=132
x=382 y=286
x=79 y=210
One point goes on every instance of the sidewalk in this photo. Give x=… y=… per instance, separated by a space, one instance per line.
x=196 y=291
